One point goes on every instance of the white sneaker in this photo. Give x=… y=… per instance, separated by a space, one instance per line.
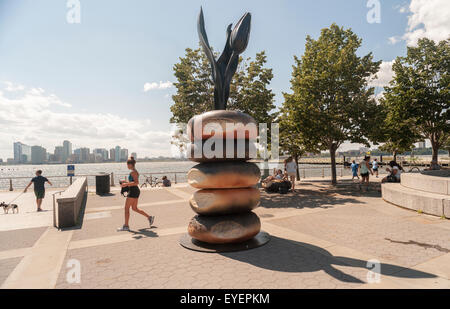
x=123 y=229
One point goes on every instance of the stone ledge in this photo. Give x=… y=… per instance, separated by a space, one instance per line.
x=429 y=203
x=427 y=183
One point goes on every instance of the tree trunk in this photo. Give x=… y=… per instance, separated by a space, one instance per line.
x=298 y=170
x=395 y=156
x=333 y=165
x=434 y=157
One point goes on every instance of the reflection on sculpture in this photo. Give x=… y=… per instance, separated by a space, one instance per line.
x=226 y=181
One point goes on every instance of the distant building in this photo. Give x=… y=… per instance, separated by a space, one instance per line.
x=134 y=155
x=421 y=145
x=117 y=151
x=123 y=154
x=22 y=153
x=85 y=155
x=38 y=155
x=67 y=151
x=58 y=154
x=77 y=155
x=112 y=154
x=101 y=154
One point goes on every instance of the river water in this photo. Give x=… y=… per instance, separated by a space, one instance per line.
x=157 y=169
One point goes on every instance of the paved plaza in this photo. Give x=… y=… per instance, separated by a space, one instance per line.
x=321 y=237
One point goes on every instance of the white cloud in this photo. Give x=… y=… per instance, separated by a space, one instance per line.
x=384 y=75
x=154 y=86
x=37 y=118
x=11 y=87
x=428 y=18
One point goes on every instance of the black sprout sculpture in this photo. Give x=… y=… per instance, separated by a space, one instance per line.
x=225 y=67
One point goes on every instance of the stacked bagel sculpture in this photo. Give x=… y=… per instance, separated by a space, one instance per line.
x=226 y=180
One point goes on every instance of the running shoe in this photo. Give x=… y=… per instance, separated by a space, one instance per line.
x=151 y=220
x=123 y=229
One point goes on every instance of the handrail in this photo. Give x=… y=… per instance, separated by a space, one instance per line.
x=54 y=207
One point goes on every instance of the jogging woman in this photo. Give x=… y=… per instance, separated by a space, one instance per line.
x=133 y=195
x=364 y=170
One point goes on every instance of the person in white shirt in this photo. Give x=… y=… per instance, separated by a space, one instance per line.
x=375 y=167
x=394 y=173
x=291 y=170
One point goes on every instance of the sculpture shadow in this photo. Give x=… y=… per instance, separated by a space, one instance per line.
x=304 y=198
x=345 y=187
x=289 y=256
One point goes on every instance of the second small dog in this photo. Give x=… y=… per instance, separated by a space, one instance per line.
x=7 y=207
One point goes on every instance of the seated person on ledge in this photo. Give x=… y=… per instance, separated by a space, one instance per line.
x=278 y=175
x=166 y=182
x=394 y=173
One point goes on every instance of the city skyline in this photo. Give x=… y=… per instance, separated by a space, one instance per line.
x=36 y=154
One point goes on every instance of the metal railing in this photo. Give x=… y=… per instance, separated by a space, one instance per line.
x=181 y=176
x=113 y=178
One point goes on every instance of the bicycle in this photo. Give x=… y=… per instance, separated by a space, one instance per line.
x=153 y=182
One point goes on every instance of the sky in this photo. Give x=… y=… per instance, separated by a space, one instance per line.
x=107 y=79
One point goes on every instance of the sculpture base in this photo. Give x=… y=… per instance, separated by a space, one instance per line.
x=192 y=244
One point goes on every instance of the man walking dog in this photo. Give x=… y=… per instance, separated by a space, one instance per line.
x=39 y=188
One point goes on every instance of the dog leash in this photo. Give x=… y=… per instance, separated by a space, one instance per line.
x=16 y=198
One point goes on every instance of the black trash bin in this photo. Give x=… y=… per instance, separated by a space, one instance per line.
x=102 y=184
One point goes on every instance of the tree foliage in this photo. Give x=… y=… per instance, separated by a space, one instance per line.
x=418 y=95
x=330 y=101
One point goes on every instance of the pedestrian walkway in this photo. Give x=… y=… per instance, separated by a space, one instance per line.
x=321 y=237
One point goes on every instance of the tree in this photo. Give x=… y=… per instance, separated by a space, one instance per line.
x=290 y=139
x=397 y=134
x=331 y=102
x=420 y=91
x=195 y=89
x=249 y=91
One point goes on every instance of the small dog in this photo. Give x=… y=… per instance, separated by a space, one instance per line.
x=7 y=207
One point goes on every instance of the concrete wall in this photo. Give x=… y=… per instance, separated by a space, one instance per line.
x=427 y=183
x=428 y=203
x=70 y=202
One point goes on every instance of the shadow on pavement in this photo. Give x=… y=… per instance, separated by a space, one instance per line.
x=296 y=257
x=142 y=233
x=304 y=198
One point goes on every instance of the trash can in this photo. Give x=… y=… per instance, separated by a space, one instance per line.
x=102 y=184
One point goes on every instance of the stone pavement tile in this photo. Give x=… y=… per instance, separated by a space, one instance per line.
x=41 y=266
x=188 y=189
x=177 y=214
x=439 y=266
x=6 y=267
x=20 y=238
x=116 y=199
x=163 y=263
x=391 y=238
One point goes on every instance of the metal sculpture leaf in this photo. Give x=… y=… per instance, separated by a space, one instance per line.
x=224 y=68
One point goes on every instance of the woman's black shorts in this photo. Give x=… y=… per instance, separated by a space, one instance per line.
x=364 y=175
x=134 y=192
